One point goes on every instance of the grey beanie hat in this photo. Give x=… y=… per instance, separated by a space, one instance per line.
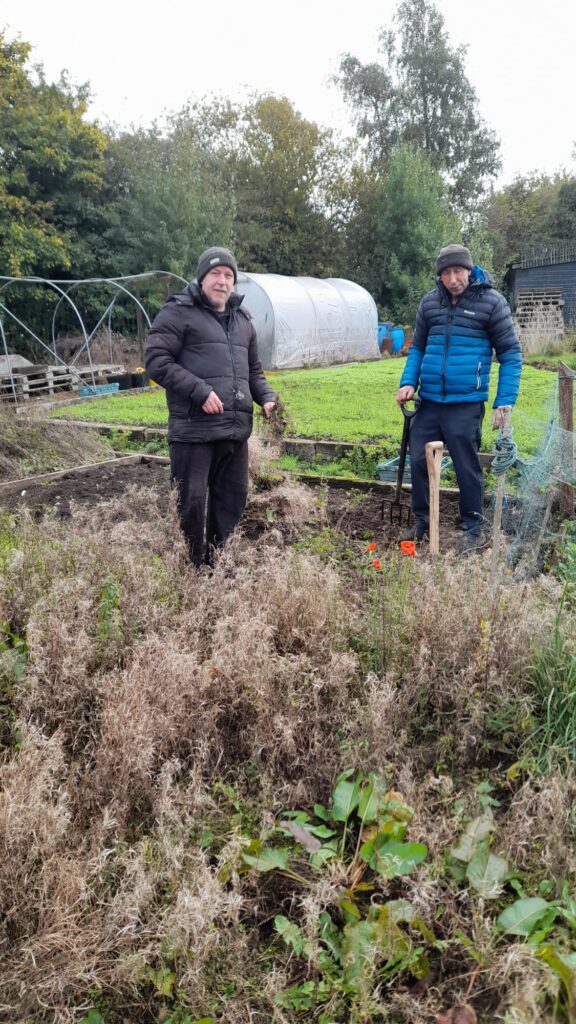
x=216 y=256
x=453 y=256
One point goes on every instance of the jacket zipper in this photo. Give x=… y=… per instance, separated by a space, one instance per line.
x=446 y=342
x=478 y=378
x=234 y=383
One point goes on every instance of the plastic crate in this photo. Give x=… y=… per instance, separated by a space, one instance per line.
x=98 y=389
x=388 y=471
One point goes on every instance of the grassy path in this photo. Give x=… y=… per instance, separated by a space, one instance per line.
x=354 y=403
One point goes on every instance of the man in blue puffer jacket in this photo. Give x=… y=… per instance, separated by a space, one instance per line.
x=458 y=327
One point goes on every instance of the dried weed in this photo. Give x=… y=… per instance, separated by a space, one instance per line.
x=161 y=703
x=31 y=444
x=455 y=673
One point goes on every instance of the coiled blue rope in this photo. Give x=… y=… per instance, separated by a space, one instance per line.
x=505 y=453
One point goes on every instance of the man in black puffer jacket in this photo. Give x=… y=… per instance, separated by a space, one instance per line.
x=202 y=349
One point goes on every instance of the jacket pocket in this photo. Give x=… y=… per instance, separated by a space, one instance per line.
x=479 y=376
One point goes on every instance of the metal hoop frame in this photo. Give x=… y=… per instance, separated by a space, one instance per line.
x=121 y=287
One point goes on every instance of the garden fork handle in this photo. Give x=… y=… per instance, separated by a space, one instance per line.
x=434 y=451
x=408 y=414
x=402 y=459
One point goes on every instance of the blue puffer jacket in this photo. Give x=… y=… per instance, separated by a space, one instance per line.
x=451 y=352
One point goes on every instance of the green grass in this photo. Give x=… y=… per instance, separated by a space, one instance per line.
x=554 y=682
x=145 y=410
x=352 y=403
x=363 y=468
x=554 y=358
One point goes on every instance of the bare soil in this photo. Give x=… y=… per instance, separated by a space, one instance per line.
x=359 y=514
x=88 y=487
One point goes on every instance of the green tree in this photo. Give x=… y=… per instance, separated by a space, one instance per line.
x=51 y=169
x=519 y=217
x=402 y=221
x=27 y=239
x=420 y=93
x=561 y=224
x=255 y=177
x=286 y=172
x=52 y=208
x=170 y=203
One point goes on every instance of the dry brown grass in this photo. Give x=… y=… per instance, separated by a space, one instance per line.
x=160 y=702
x=452 y=662
x=543 y=332
x=31 y=444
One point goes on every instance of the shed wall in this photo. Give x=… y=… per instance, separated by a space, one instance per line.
x=556 y=275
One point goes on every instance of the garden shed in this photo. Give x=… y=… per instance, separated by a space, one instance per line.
x=544 y=281
x=307 y=321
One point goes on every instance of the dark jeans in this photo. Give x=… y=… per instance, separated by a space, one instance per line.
x=212 y=482
x=459 y=426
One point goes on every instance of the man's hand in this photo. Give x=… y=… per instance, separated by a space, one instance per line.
x=267 y=409
x=213 y=403
x=500 y=416
x=405 y=394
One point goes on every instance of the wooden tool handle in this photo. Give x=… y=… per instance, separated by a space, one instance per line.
x=505 y=428
x=434 y=452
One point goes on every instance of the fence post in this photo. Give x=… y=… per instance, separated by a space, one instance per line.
x=566 y=415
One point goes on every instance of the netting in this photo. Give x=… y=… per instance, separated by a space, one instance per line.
x=539 y=486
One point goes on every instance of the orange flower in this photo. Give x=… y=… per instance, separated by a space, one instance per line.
x=377 y=564
x=371 y=547
x=408 y=547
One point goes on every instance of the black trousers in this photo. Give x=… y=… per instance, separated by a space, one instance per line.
x=212 y=482
x=459 y=426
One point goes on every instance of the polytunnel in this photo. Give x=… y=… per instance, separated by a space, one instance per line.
x=306 y=321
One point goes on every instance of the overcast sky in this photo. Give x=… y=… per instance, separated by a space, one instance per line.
x=142 y=59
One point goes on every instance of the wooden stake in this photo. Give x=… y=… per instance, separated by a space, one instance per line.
x=505 y=429
x=434 y=452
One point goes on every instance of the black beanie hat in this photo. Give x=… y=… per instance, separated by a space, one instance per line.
x=453 y=256
x=216 y=256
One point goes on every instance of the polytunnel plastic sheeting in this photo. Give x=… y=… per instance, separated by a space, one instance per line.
x=306 y=321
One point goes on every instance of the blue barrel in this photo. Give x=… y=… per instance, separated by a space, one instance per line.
x=383 y=332
x=397 y=335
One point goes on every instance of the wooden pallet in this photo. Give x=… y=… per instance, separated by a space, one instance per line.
x=541 y=309
x=34 y=381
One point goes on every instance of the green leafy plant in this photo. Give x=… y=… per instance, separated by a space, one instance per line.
x=122 y=441
x=472 y=860
x=360 y=838
x=109 y=614
x=163 y=980
x=92 y=1017
x=549 y=928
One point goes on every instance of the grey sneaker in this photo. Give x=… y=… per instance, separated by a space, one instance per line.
x=418 y=532
x=472 y=541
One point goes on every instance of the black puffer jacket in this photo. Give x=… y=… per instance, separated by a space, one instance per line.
x=190 y=354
